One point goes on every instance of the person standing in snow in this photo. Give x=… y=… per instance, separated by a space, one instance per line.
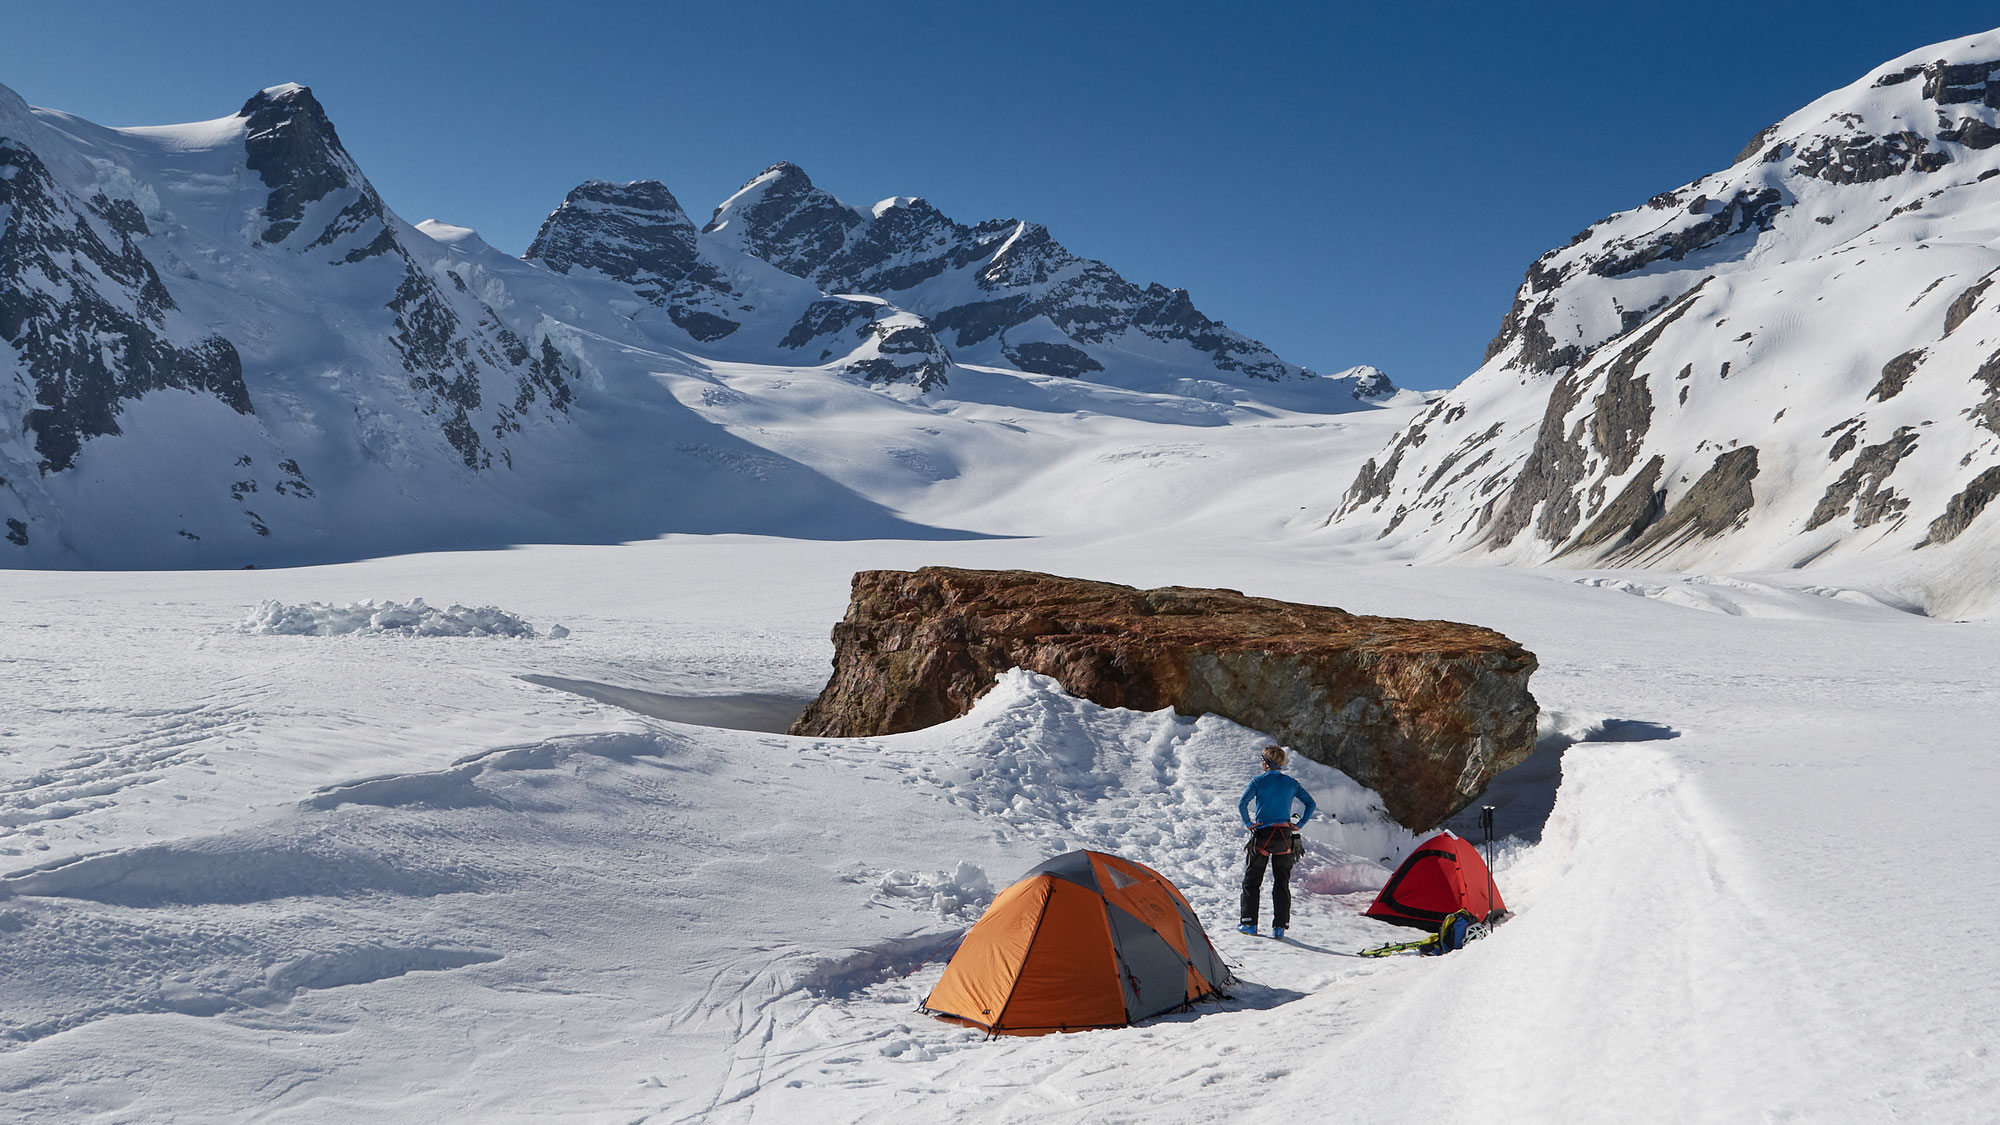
x=1274 y=840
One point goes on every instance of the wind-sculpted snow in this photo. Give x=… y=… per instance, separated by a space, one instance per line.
x=1786 y=363
x=456 y=870
x=248 y=875
x=317 y=619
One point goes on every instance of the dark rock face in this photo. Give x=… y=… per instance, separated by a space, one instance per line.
x=1964 y=508
x=791 y=224
x=87 y=316
x=1959 y=83
x=1757 y=142
x=703 y=326
x=1424 y=712
x=637 y=233
x=1987 y=413
x=1965 y=304
x=1548 y=479
x=1546 y=491
x=292 y=146
x=1169 y=314
x=884 y=344
x=1863 y=158
x=832 y=316
x=979 y=321
x=1623 y=411
x=1052 y=359
x=446 y=355
x=904 y=246
x=1866 y=478
x=897 y=250
x=1526 y=321
x=1972 y=133
x=905 y=353
x=1895 y=374
x=1638 y=506
x=1745 y=211
x=1372 y=483
x=1716 y=503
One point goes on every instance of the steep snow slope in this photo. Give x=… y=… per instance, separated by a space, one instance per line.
x=1792 y=362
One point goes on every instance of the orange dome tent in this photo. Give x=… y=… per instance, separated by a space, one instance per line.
x=1084 y=940
x=1443 y=875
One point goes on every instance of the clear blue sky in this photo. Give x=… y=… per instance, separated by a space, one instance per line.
x=1349 y=183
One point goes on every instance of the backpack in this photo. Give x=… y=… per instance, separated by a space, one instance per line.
x=1457 y=928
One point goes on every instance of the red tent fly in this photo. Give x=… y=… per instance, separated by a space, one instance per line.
x=1444 y=874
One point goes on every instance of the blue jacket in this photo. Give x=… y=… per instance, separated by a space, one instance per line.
x=1273 y=791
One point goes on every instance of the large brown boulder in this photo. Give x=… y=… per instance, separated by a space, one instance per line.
x=1423 y=712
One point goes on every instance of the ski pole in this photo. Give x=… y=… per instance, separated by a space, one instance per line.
x=1486 y=820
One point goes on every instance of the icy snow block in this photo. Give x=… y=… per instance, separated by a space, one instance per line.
x=1423 y=712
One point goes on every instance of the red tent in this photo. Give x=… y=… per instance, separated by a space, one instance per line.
x=1444 y=874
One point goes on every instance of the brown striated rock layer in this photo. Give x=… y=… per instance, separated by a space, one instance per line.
x=1423 y=712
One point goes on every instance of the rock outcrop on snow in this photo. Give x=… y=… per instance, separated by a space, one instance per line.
x=1424 y=712
x=1790 y=361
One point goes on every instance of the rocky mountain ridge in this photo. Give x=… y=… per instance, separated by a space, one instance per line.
x=1002 y=291
x=218 y=343
x=1789 y=362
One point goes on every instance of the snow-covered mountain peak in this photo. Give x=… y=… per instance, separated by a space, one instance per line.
x=449 y=234
x=781 y=217
x=622 y=230
x=291 y=144
x=1002 y=292
x=1790 y=361
x=1369 y=382
x=638 y=234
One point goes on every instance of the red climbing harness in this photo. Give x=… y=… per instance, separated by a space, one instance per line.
x=1274 y=839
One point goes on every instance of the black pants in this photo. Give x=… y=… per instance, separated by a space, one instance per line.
x=1281 y=886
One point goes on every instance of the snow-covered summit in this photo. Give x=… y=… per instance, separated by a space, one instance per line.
x=450 y=234
x=781 y=217
x=1002 y=292
x=637 y=233
x=1788 y=362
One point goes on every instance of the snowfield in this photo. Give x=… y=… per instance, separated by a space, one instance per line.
x=315 y=877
